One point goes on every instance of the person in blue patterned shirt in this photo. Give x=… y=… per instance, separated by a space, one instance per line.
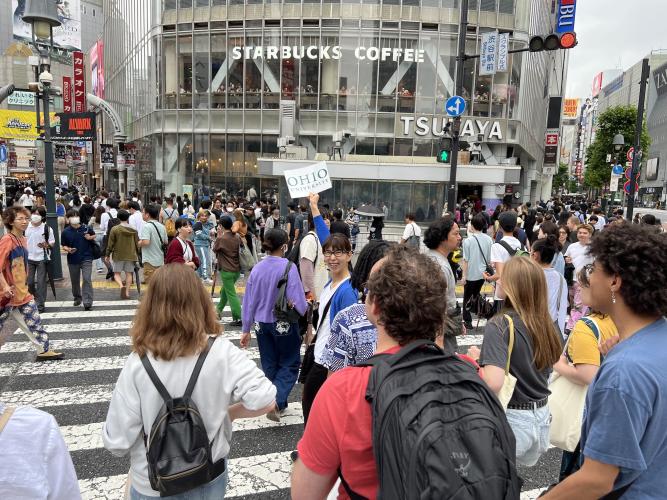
x=353 y=337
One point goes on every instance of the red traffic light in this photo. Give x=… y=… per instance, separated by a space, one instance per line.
x=553 y=41
x=568 y=40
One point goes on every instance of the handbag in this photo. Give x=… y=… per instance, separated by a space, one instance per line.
x=246 y=258
x=489 y=269
x=309 y=356
x=507 y=390
x=566 y=404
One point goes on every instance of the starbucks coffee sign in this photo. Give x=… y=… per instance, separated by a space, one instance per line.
x=434 y=126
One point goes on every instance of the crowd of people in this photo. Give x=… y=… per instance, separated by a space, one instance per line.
x=578 y=301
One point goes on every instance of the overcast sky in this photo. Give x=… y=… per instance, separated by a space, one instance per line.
x=613 y=34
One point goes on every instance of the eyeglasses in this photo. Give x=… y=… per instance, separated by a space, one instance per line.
x=562 y=232
x=336 y=253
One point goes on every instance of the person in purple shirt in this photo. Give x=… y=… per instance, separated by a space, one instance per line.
x=279 y=342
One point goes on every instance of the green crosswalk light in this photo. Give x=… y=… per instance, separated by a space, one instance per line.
x=443 y=155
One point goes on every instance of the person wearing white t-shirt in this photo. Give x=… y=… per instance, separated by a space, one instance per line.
x=314 y=274
x=411 y=230
x=41 y=468
x=577 y=255
x=499 y=254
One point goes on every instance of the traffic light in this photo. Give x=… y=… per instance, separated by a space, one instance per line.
x=6 y=91
x=445 y=152
x=444 y=155
x=554 y=41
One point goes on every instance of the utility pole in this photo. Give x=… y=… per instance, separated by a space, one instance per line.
x=456 y=125
x=637 y=156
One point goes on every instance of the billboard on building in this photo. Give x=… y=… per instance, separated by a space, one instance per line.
x=66 y=36
x=79 y=82
x=97 y=69
x=74 y=127
x=19 y=124
x=597 y=85
x=570 y=108
x=652 y=169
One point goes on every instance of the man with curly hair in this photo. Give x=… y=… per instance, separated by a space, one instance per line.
x=624 y=437
x=404 y=302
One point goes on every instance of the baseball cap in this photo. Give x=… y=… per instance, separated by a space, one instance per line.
x=507 y=220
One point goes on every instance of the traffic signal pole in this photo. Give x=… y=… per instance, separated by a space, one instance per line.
x=637 y=156
x=456 y=125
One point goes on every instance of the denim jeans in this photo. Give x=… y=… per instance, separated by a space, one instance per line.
x=280 y=355
x=531 y=430
x=204 y=254
x=215 y=490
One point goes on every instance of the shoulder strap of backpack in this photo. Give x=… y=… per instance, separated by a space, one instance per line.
x=506 y=246
x=156 y=380
x=350 y=492
x=510 y=346
x=284 y=278
x=197 y=369
x=591 y=323
x=480 y=249
x=320 y=320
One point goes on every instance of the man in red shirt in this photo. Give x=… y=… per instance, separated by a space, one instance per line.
x=404 y=301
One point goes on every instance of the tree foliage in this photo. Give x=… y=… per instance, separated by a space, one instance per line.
x=616 y=120
x=561 y=178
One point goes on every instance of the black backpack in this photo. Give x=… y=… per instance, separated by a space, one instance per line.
x=282 y=309
x=438 y=430
x=113 y=222
x=294 y=255
x=178 y=450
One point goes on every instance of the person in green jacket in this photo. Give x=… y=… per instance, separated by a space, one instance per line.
x=123 y=248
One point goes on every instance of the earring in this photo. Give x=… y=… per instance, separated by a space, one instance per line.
x=613 y=297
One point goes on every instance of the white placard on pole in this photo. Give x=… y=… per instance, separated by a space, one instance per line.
x=312 y=179
x=613 y=183
x=503 y=51
x=487 y=58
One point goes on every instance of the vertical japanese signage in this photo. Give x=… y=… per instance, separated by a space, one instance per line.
x=487 y=59
x=565 y=16
x=79 y=83
x=503 y=51
x=67 y=94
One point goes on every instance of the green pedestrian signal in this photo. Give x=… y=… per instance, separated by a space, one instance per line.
x=444 y=155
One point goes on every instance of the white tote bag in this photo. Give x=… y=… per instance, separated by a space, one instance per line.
x=506 y=392
x=566 y=404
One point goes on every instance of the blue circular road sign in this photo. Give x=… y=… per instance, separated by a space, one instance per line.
x=455 y=106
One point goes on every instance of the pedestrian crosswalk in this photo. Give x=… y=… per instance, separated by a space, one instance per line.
x=77 y=391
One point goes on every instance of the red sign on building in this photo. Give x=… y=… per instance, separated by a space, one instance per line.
x=79 y=83
x=551 y=139
x=67 y=94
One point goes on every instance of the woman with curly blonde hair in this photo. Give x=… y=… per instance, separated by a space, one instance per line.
x=172 y=327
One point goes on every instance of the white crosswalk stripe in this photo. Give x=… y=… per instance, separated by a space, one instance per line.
x=73 y=390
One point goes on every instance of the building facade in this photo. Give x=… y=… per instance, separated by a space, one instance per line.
x=209 y=88
x=624 y=91
x=85 y=26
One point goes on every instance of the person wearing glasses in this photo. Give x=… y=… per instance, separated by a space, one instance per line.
x=337 y=295
x=623 y=433
x=15 y=300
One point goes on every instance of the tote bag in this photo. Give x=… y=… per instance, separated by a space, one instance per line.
x=509 y=383
x=566 y=404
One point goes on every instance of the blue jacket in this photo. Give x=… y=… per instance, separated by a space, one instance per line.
x=343 y=297
x=321 y=228
x=202 y=232
x=74 y=238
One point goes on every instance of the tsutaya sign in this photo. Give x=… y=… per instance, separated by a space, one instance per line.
x=423 y=126
x=334 y=52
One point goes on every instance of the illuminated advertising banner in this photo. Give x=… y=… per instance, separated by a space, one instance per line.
x=67 y=94
x=79 y=83
x=66 y=36
x=97 y=69
x=19 y=124
x=570 y=108
x=73 y=127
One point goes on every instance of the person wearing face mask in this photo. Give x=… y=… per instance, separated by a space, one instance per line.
x=279 y=342
x=181 y=249
x=40 y=240
x=75 y=240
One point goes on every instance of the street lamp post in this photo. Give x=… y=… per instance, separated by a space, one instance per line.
x=42 y=15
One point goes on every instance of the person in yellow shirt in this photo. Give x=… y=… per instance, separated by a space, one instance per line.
x=582 y=360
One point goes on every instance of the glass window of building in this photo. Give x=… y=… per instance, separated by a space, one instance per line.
x=488 y=5
x=272 y=71
x=506 y=6
x=252 y=83
x=219 y=71
x=368 y=73
x=169 y=60
x=201 y=71
x=290 y=67
x=185 y=72
x=217 y=169
x=310 y=76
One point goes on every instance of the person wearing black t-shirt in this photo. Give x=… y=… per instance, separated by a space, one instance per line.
x=338 y=225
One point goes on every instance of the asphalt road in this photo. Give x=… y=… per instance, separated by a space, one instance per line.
x=77 y=390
